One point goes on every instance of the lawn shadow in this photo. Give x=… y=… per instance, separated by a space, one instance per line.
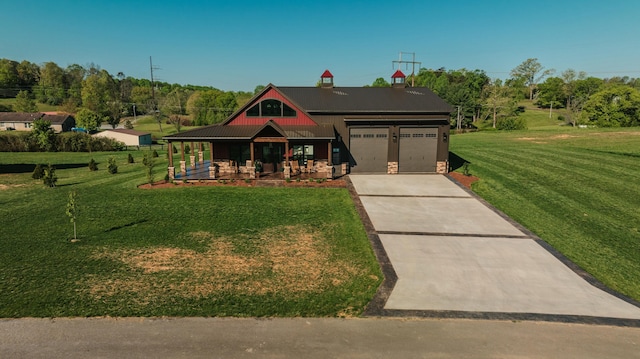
x=127 y=225
x=456 y=161
x=29 y=167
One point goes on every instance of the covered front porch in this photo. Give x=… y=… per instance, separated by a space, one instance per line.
x=262 y=152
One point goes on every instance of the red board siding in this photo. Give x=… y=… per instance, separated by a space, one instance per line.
x=301 y=118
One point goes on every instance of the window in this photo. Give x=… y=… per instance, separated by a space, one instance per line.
x=240 y=153
x=254 y=111
x=302 y=153
x=271 y=108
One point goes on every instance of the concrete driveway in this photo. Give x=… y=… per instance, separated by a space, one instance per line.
x=452 y=252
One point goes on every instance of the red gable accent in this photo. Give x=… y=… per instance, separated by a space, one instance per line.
x=398 y=74
x=326 y=73
x=301 y=118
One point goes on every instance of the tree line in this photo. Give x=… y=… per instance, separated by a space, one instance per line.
x=97 y=96
x=610 y=102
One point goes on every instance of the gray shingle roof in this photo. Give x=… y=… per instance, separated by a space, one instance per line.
x=29 y=117
x=345 y=100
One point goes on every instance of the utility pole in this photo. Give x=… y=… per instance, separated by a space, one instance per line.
x=153 y=95
x=412 y=62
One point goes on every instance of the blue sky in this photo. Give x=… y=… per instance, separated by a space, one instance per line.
x=236 y=45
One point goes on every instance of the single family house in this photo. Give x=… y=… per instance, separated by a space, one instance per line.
x=23 y=121
x=327 y=130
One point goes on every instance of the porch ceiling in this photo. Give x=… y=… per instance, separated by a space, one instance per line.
x=220 y=132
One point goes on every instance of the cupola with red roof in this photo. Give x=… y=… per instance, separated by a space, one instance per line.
x=398 y=79
x=326 y=79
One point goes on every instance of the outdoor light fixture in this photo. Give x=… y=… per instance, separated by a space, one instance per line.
x=395 y=138
x=444 y=137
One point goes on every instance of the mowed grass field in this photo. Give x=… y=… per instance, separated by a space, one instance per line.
x=577 y=189
x=181 y=251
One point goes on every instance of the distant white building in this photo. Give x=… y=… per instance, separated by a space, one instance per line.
x=128 y=137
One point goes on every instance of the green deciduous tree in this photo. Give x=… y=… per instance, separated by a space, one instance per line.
x=614 y=106
x=532 y=72
x=100 y=94
x=88 y=119
x=8 y=77
x=51 y=87
x=210 y=106
x=499 y=101
x=25 y=102
x=43 y=134
x=380 y=82
x=551 y=93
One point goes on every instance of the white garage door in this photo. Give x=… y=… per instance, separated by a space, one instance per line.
x=418 y=149
x=369 y=148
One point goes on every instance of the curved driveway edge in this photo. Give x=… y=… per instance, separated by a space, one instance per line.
x=452 y=255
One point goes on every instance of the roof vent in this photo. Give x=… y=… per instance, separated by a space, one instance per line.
x=398 y=79
x=326 y=79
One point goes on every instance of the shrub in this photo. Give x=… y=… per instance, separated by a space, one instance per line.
x=49 y=177
x=128 y=125
x=130 y=159
x=112 y=167
x=149 y=164
x=38 y=172
x=155 y=153
x=93 y=165
x=511 y=124
x=465 y=169
x=187 y=149
x=175 y=150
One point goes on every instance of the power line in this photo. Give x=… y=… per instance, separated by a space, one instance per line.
x=413 y=63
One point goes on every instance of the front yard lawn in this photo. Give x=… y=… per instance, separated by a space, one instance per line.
x=184 y=251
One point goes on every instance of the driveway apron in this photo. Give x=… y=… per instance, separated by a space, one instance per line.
x=453 y=252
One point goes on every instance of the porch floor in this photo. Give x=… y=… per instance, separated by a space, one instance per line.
x=201 y=172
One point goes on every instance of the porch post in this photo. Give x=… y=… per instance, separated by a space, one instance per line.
x=183 y=163
x=192 y=155
x=329 y=161
x=200 y=154
x=287 y=168
x=252 y=168
x=171 y=169
x=212 y=166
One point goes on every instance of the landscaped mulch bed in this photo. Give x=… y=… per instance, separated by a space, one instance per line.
x=464 y=180
x=337 y=183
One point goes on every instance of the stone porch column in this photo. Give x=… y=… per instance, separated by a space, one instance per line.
x=172 y=172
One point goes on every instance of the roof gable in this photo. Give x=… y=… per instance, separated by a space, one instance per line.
x=240 y=118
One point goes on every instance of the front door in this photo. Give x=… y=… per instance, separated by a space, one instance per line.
x=272 y=155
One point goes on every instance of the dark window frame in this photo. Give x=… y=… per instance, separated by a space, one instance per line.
x=271 y=107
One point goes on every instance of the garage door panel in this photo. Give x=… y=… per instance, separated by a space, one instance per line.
x=369 y=148
x=418 y=149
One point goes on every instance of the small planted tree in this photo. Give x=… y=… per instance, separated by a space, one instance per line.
x=72 y=212
x=38 y=172
x=93 y=165
x=149 y=164
x=112 y=167
x=49 y=178
x=130 y=159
